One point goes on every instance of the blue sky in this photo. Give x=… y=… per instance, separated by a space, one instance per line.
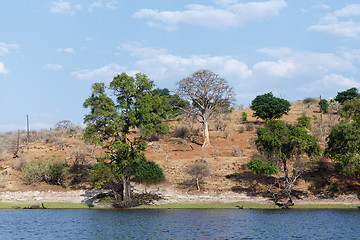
x=52 y=51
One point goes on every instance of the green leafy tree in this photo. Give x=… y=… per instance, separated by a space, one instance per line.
x=258 y=166
x=173 y=100
x=343 y=145
x=324 y=105
x=351 y=93
x=350 y=109
x=208 y=93
x=267 y=106
x=110 y=121
x=282 y=143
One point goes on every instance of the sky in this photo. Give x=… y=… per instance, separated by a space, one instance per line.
x=51 y=52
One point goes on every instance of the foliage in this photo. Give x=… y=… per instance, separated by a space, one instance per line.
x=351 y=109
x=208 y=94
x=324 y=105
x=173 y=100
x=257 y=166
x=181 y=132
x=351 y=93
x=281 y=143
x=244 y=116
x=304 y=121
x=109 y=123
x=344 y=147
x=267 y=106
x=148 y=172
x=53 y=171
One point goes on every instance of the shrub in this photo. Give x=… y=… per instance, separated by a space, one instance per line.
x=53 y=171
x=244 y=116
x=250 y=127
x=304 y=121
x=198 y=171
x=257 y=166
x=324 y=105
x=310 y=100
x=181 y=132
x=241 y=129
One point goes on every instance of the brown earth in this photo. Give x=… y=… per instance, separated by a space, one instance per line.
x=229 y=180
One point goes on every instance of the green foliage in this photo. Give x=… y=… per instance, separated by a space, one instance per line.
x=304 y=121
x=344 y=147
x=324 y=105
x=351 y=93
x=135 y=105
x=174 y=101
x=148 y=172
x=267 y=106
x=53 y=171
x=257 y=166
x=244 y=116
x=351 y=109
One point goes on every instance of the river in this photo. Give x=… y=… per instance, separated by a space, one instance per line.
x=180 y=224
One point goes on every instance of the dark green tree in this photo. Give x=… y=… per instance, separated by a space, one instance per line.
x=173 y=100
x=110 y=121
x=350 y=109
x=351 y=93
x=324 y=105
x=282 y=143
x=267 y=106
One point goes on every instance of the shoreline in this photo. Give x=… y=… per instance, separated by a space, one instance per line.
x=171 y=199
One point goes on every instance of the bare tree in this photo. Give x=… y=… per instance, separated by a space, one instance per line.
x=208 y=93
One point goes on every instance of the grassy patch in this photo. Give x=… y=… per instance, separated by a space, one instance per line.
x=50 y=205
x=325 y=206
x=211 y=205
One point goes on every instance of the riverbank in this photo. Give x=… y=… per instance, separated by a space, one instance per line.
x=171 y=199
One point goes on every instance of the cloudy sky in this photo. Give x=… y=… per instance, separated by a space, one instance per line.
x=52 y=51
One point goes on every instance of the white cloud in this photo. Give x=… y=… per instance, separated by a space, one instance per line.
x=102 y=74
x=5 y=48
x=341 y=22
x=103 y=4
x=227 y=14
x=63 y=7
x=3 y=70
x=65 y=50
x=53 y=67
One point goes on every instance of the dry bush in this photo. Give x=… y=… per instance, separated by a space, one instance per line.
x=3 y=180
x=322 y=126
x=181 y=132
x=20 y=162
x=221 y=121
x=250 y=127
x=310 y=101
x=241 y=129
x=52 y=136
x=8 y=143
x=198 y=171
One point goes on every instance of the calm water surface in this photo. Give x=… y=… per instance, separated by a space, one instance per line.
x=179 y=224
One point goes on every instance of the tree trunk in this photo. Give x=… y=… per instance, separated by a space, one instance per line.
x=206 y=134
x=197 y=183
x=126 y=189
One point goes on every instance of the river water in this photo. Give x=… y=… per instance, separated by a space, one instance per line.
x=180 y=224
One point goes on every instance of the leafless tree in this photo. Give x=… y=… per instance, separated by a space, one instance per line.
x=208 y=93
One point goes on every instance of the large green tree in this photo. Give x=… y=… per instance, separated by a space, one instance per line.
x=110 y=121
x=282 y=143
x=343 y=145
x=267 y=106
x=351 y=93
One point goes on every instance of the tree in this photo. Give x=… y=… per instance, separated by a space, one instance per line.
x=343 y=145
x=267 y=106
x=282 y=143
x=351 y=109
x=65 y=124
x=173 y=100
x=324 y=105
x=109 y=123
x=207 y=93
x=198 y=171
x=351 y=93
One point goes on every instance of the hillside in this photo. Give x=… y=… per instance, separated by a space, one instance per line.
x=230 y=150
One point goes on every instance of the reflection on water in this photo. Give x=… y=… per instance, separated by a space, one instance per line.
x=180 y=224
